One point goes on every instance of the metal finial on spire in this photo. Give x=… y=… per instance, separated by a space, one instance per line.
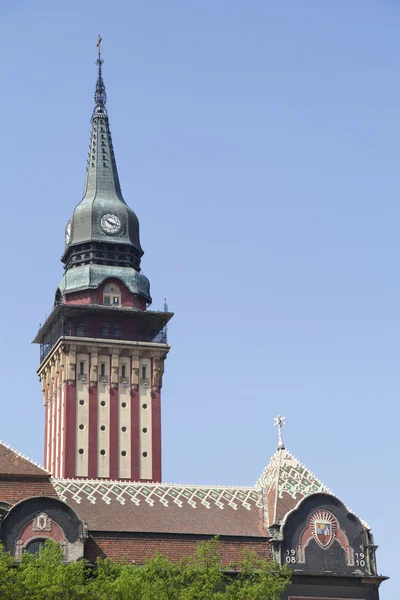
x=100 y=96
x=279 y=422
x=99 y=40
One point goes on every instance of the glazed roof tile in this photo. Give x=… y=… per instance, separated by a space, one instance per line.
x=165 y=508
x=286 y=481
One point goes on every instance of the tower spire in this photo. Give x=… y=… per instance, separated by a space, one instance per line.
x=279 y=422
x=102 y=175
x=100 y=95
x=102 y=216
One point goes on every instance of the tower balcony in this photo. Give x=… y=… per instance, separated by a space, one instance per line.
x=98 y=322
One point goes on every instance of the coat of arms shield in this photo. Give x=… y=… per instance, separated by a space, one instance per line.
x=323 y=526
x=323 y=530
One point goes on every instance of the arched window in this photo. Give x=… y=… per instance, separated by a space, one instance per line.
x=79 y=329
x=111 y=295
x=36 y=546
x=117 y=330
x=105 y=330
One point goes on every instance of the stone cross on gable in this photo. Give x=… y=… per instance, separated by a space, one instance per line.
x=279 y=422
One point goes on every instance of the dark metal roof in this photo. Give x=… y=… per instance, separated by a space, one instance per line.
x=91 y=276
x=102 y=191
x=151 y=321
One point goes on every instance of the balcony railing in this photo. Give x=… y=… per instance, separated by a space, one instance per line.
x=45 y=347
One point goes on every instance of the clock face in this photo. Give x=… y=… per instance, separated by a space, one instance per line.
x=110 y=223
x=68 y=233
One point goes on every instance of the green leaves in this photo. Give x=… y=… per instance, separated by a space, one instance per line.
x=198 y=577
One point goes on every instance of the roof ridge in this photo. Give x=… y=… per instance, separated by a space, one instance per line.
x=153 y=484
x=309 y=471
x=24 y=457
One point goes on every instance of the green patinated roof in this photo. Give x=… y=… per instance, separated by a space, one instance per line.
x=102 y=191
x=91 y=276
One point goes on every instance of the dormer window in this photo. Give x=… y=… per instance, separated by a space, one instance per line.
x=105 y=330
x=117 y=330
x=79 y=329
x=111 y=295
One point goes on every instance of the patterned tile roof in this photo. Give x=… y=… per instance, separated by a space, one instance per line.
x=286 y=481
x=291 y=475
x=167 y=508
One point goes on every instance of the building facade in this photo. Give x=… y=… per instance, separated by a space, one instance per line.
x=100 y=493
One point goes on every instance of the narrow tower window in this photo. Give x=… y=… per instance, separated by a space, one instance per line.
x=79 y=329
x=105 y=330
x=81 y=368
x=144 y=372
x=123 y=369
x=103 y=369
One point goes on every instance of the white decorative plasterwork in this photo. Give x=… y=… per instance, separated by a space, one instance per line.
x=179 y=495
x=292 y=477
x=42 y=522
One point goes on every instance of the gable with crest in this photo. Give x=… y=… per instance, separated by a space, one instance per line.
x=322 y=536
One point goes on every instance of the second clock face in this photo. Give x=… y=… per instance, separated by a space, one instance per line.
x=110 y=223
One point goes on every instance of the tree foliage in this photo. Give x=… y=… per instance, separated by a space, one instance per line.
x=202 y=576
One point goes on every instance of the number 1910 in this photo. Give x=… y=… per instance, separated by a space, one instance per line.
x=360 y=559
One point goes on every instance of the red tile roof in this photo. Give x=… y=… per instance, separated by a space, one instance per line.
x=13 y=463
x=13 y=491
x=140 y=547
x=21 y=478
x=161 y=508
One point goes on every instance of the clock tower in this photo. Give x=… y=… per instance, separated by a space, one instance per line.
x=102 y=350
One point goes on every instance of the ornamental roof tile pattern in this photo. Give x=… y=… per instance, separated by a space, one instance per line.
x=165 y=508
x=12 y=463
x=286 y=481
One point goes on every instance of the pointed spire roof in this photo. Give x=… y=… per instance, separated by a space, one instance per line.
x=102 y=173
x=102 y=215
x=285 y=481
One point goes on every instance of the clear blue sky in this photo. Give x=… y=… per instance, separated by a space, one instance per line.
x=258 y=143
